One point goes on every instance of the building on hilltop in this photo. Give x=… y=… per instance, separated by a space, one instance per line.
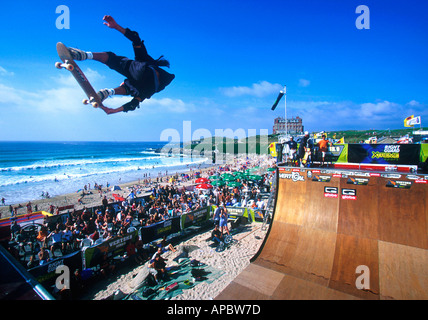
x=294 y=125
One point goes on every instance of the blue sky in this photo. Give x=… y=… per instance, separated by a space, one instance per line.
x=230 y=59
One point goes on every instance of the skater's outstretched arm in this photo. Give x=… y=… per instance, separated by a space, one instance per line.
x=111 y=23
x=139 y=48
x=130 y=106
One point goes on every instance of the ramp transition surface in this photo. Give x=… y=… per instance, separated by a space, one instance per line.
x=335 y=231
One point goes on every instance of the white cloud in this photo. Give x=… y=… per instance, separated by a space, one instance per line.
x=381 y=108
x=260 y=89
x=168 y=105
x=153 y=105
x=304 y=83
x=93 y=75
x=348 y=115
x=9 y=95
x=4 y=72
x=65 y=95
x=413 y=103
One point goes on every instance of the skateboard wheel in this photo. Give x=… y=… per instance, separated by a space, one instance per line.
x=95 y=104
x=85 y=101
x=58 y=65
x=69 y=67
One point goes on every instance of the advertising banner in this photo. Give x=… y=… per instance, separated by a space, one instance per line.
x=94 y=255
x=160 y=229
x=194 y=217
x=338 y=153
x=394 y=154
x=46 y=274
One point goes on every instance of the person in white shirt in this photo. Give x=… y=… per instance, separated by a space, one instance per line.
x=56 y=241
x=67 y=238
x=260 y=204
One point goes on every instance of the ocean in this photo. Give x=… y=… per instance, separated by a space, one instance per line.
x=30 y=169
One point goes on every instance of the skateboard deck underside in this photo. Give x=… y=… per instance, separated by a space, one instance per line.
x=78 y=74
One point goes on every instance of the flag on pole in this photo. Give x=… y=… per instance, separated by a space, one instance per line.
x=280 y=95
x=413 y=121
x=406 y=124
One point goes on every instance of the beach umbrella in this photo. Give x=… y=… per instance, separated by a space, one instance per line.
x=202 y=180
x=255 y=177
x=239 y=174
x=234 y=184
x=204 y=186
x=214 y=177
x=229 y=178
x=218 y=183
x=271 y=169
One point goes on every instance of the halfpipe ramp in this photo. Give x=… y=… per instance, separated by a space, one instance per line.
x=342 y=235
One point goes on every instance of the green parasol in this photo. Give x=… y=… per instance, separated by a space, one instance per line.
x=218 y=183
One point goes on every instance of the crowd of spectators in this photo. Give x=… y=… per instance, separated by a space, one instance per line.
x=140 y=207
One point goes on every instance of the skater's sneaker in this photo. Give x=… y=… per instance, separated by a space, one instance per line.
x=78 y=54
x=105 y=93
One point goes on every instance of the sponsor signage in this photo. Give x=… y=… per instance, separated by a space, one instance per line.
x=349 y=194
x=294 y=176
x=391 y=175
x=389 y=154
x=422 y=181
x=358 y=181
x=320 y=178
x=195 y=217
x=46 y=273
x=413 y=177
x=399 y=184
x=331 y=192
x=94 y=255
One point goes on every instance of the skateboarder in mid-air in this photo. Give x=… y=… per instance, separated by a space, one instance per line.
x=144 y=77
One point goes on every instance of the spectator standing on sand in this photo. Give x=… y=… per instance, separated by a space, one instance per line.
x=223 y=221
x=216 y=216
x=131 y=197
x=105 y=203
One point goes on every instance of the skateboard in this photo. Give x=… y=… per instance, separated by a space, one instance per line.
x=306 y=156
x=69 y=64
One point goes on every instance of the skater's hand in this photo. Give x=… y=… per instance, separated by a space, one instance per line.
x=110 y=22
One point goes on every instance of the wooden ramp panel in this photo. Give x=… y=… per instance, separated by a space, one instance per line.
x=403 y=272
x=403 y=215
x=359 y=217
x=352 y=252
x=302 y=252
x=276 y=286
x=316 y=243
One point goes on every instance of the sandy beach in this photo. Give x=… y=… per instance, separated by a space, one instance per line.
x=232 y=261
